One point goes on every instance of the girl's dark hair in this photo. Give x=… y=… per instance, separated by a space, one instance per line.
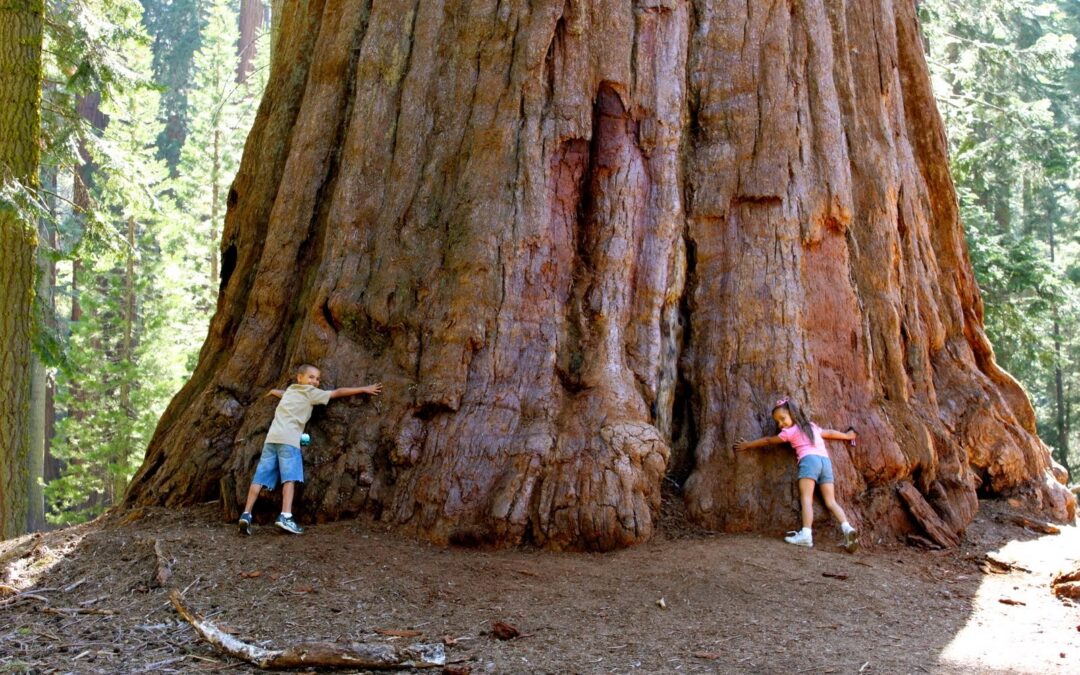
x=797 y=415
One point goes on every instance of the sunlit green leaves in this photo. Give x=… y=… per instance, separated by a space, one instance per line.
x=1005 y=74
x=145 y=238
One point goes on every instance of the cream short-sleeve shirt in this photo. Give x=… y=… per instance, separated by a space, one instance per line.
x=293 y=412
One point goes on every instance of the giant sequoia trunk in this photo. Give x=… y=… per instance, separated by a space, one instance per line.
x=586 y=245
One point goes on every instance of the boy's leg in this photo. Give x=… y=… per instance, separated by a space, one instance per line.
x=292 y=471
x=266 y=475
x=252 y=495
x=245 y=517
x=285 y=520
x=288 y=489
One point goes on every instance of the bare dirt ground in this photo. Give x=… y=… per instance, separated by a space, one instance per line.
x=83 y=600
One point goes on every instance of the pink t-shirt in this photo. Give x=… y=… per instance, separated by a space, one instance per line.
x=803 y=445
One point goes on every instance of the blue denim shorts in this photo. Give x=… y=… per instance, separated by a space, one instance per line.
x=279 y=462
x=817 y=467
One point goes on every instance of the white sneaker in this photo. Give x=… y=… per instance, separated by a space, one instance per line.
x=851 y=541
x=800 y=538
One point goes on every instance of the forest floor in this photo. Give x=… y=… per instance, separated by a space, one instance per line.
x=83 y=600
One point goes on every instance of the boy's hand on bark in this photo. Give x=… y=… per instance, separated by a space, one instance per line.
x=374 y=389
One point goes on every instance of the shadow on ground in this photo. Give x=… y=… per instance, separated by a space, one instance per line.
x=738 y=604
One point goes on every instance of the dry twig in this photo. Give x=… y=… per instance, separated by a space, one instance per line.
x=163 y=568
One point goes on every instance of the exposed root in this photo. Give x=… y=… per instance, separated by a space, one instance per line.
x=924 y=514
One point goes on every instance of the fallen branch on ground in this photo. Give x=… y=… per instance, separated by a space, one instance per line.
x=78 y=610
x=1035 y=525
x=1066 y=585
x=163 y=568
x=315 y=654
x=923 y=542
x=991 y=565
x=21 y=598
x=49 y=609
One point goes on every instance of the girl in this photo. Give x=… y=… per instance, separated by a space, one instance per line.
x=808 y=440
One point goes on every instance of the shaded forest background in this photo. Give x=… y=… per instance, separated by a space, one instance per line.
x=146 y=108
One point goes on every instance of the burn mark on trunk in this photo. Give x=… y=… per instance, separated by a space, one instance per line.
x=228 y=266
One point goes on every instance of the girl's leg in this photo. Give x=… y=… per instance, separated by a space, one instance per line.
x=806 y=499
x=828 y=494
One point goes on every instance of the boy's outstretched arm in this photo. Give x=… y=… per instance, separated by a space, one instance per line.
x=743 y=444
x=276 y=392
x=373 y=389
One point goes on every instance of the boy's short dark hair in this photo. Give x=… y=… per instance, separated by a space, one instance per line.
x=303 y=368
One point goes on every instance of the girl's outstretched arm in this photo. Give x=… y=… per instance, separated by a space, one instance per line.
x=834 y=435
x=743 y=444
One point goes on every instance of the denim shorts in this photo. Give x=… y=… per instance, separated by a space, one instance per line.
x=817 y=467
x=279 y=462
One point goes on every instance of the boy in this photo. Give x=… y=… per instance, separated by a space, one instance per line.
x=281 y=458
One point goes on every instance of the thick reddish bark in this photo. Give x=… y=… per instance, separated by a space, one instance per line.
x=586 y=245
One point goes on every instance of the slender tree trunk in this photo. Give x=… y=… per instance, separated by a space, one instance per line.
x=40 y=386
x=127 y=357
x=215 y=211
x=1060 y=417
x=252 y=16
x=76 y=304
x=20 y=112
x=1061 y=420
x=36 y=471
x=35 y=518
x=89 y=108
x=39 y=396
x=276 y=7
x=572 y=238
x=81 y=201
x=52 y=466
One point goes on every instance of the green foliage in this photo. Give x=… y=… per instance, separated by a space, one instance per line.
x=221 y=112
x=175 y=27
x=109 y=415
x=144 y=240
x=1005 y=74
